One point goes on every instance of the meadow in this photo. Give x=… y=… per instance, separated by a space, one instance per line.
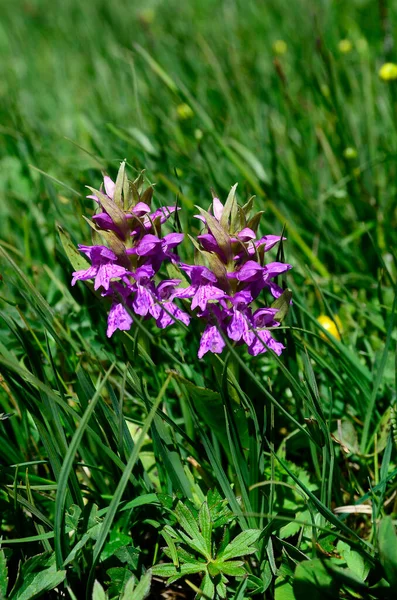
x=130 y=468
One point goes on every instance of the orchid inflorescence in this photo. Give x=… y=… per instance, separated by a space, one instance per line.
x=229 y=274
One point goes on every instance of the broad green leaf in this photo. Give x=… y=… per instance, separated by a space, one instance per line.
x=207 y=586
x=98 y=593
x=312 y=580
x=354 y=560
x=283 y=589
x=37 y=576
x=387 y=543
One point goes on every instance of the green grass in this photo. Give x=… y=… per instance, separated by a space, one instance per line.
x=284 y=442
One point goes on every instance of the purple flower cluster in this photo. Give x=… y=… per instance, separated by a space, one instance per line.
x=229 y=275
x=126 y=269
x=237 y=274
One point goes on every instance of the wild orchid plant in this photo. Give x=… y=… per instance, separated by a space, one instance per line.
x=229 y=275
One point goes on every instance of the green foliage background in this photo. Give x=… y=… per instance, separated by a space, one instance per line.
x=196 y=94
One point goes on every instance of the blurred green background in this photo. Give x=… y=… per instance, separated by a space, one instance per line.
x=283 y=97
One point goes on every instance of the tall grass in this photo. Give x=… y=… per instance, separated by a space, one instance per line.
x=99 y=438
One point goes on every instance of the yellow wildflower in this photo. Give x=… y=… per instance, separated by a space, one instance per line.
x=333 y=327
x=184 y=111
x=388 y=72
x=350 y=153
x=345 y=46
x=280 y=47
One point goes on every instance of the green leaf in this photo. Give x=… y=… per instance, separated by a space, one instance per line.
x=231 y=567
x=387 y=544
x=140 y=591
x=37 y=576
x=171 y=546
x=312 y=580
x=3 y=575
x=354 y=560
x=98 y=593
x=207 y=586
x=205 y=523
x=77 y=260
x=67 y=467
x=283 y=305
x=283 y=589
x=241 y=545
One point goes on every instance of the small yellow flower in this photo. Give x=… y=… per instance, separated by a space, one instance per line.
x=332 y=326
x=184 y=111
x=350 y=153
x=280 y=47
x=345 y=46
x=388 y=72
x=147 y=16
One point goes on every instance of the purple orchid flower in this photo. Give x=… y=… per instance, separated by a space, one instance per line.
x=169 y=312
x=119 y=317
x=103 y=267
x=145 y=301
x=239 y=327
x=256 y=277
x=264 y=317
x=202 y=288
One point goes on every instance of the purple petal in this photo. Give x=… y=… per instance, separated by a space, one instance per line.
x=169 y=313
x=166 y=288
x=198 y=273
x=147 y=245
x=165 y=212
x=265 y=341
x=144 y=302
x=275 y=289
x=109 y=186
x=84 y=274
x=217 y=208
x=106 y=272
x=143 y=273
x=208 y=242
x=93 y=197
x=97 y=254
x=171 y=240
x=205 y=293
x=141 y=209
x=105 y=222
x=187 y=292
x=250 y=271
x=246 y=234
x=268 y=241
x=275 y=268
x=211 y=341
x=264 y=317
x=238 y=326
x=118 y=318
